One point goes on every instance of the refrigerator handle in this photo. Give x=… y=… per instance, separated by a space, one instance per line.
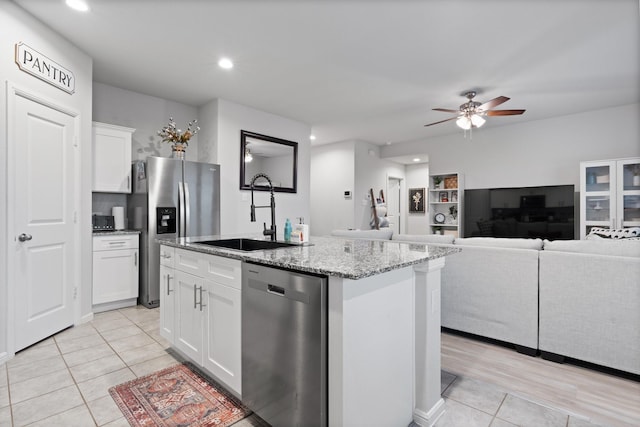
x=187 y=210
x=181 y=210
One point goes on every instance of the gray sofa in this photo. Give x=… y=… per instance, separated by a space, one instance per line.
x=590 y=302
x=490 y=289
x=576 y=299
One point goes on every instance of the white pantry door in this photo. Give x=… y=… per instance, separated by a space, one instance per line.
x=42 y=202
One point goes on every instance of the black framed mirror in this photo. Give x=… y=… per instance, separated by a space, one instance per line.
x=275 y=157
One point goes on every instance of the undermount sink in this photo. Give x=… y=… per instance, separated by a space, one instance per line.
x=246 y=245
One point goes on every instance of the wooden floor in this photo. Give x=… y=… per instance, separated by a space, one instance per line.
x=605 y=399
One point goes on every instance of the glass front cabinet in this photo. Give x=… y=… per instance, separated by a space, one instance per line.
x=609 y=194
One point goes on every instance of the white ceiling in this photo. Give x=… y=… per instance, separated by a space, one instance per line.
x=367 y=70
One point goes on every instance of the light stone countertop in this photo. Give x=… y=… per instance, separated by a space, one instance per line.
x=333 y=256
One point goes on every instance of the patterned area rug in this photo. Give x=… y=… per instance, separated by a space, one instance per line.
x=178 y=396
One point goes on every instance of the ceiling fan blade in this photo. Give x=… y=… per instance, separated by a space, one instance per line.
x=504 y=112
x=493 y=103
x=442 y=121
x=446 y=110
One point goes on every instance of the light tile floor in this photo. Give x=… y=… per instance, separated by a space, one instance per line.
x=64 y=380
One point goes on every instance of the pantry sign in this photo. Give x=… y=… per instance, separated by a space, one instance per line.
x=33 y=62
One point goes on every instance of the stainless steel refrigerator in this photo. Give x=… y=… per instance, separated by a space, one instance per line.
x=170 y=198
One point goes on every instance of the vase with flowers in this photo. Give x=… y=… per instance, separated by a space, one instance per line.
x=178 y=139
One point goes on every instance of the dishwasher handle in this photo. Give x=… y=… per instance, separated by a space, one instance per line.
x=273 y=289
x=279 y=291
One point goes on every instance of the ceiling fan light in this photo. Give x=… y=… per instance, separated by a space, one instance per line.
x=477 y=120
x=247 y=156
x=464 y=123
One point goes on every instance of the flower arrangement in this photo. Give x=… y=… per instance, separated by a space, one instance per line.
x=416 y=199
x=170 y=133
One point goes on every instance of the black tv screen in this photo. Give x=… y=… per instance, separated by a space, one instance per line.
x=545 y=212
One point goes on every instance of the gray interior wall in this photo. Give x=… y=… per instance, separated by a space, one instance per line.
x=541 y=152
x=231 y=118
x=371 y=173
x=417 y=177
x=147 y=115
x=332 y=173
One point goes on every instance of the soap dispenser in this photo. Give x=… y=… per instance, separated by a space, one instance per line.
x=287 y=231
x=303 y=230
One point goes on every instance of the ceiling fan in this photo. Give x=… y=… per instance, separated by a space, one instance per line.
x=470 y=114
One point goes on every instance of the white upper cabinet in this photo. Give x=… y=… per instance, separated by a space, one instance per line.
x=111 y=158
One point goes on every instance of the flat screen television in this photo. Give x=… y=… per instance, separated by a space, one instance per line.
x=545 y=212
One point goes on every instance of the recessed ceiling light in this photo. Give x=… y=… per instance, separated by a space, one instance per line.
x=225 y=63
x=312 y=137
x=417 y=159
x=79 y=5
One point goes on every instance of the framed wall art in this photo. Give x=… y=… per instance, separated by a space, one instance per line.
x=416 y=200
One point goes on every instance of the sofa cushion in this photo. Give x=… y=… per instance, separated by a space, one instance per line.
x=383 y=234
x=615 y=247
x=514 y=243
x=423 y=238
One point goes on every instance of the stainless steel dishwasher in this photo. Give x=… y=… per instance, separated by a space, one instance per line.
x=284 y=346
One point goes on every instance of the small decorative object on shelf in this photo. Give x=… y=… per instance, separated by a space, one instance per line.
x=453 y=210
x=444 y=196
x=451 y=182
x=636 y=175
x=436 y=182
x=179 y=139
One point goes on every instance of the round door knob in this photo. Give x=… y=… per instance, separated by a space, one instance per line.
x=24 y=237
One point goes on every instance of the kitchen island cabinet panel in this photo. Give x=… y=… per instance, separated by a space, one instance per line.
x=200 y=311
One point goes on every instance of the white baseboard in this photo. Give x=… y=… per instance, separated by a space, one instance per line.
x=430 y=418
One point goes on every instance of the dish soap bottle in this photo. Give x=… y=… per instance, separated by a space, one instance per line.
x=287 y=231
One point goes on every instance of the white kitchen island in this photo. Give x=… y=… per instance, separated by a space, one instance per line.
x=383 y=324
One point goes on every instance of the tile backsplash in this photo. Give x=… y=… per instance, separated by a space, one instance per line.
x=101 y=203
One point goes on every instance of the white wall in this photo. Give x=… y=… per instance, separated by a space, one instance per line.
x=353 y=166
x=231 y=118
x=147 y=115
x=332 y=173
x=371 y=173
x=208 y=136
x=417 y=176
x=17 y=26
x=542 y=152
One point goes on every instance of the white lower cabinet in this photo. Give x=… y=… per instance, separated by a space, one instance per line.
x=200 y=311
x=223 y=351
x=189 y=315
x=115 y=271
